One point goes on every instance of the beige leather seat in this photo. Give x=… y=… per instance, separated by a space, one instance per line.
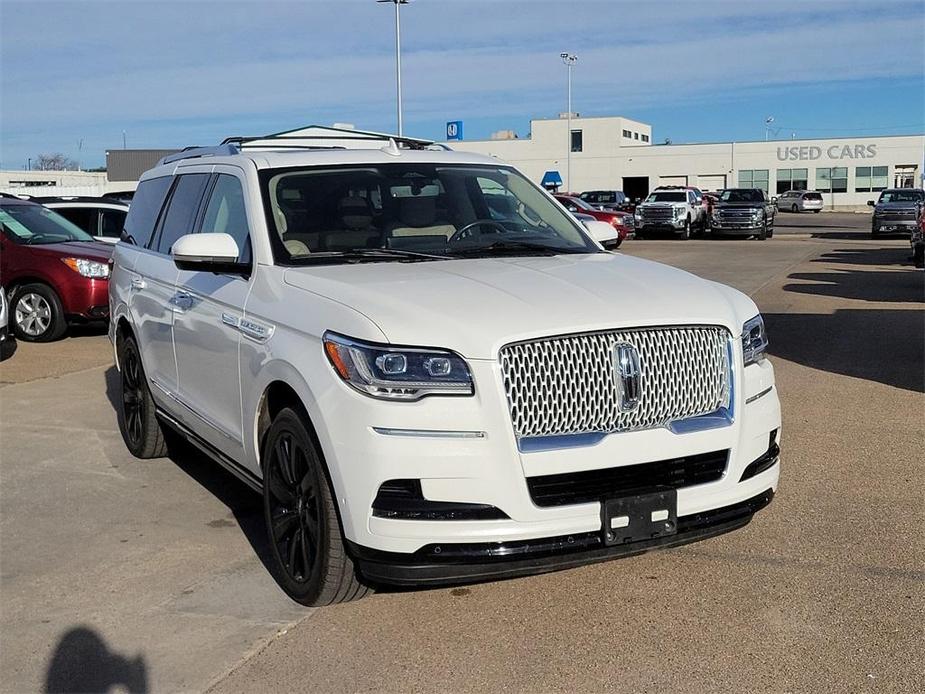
x=357 y=231
x=418 y=217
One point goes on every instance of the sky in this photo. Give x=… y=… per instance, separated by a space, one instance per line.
x=75 y=75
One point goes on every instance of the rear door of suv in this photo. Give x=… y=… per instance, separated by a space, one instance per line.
x=209 y=326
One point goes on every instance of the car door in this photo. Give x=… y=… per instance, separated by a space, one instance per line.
x=153 y=286
x=208 y=324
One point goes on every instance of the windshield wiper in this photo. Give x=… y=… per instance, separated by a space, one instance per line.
x=361 y=254
x=515 y=247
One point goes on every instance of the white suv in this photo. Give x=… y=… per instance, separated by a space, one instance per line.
x=415 y=356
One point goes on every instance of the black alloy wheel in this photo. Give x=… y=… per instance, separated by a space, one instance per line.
x=794 y=208
x=142 y=432
x=309 y=559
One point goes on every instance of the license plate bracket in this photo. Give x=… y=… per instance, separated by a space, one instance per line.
x=645 y=516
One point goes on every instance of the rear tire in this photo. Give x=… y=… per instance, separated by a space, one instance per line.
x=143 y=434
x=794 y=208
x=816 y=211
x=36 y=313
x=310 y=561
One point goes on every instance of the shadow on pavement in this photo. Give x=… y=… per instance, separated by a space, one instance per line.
x=866 y=285
x=244 y=504
x=82 y=662
x=892 y=352
x=867 y=256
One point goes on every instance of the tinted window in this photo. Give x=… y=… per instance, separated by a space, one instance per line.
x=84 y=217
x=146 y=205
x=111 y=223
x=225 y=214
x=181 y=210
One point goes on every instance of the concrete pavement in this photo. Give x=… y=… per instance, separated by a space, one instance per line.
x=149 y=573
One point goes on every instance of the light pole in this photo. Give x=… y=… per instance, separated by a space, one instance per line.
x=398 y=4
x=569 y=59
x=767 y=127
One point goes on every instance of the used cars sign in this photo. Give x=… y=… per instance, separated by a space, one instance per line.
x=811 y=152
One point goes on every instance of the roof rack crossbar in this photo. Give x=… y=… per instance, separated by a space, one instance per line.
x=194 y=152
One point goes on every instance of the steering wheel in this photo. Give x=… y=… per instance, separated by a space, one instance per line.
x=466 y=231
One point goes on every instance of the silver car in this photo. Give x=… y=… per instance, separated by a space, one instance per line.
x=800 y=201
x=7 y=339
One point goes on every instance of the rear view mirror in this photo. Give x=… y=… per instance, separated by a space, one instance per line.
x=870 y=203
x=207 y=253
x=602 y=232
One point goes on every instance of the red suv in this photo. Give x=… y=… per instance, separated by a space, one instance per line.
x=623 y=222
x=53 y=272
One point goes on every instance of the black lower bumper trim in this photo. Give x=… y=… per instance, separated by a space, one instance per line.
x=472 y=562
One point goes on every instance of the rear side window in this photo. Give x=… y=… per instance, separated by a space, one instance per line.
x=111 y=223
x=181 y=210
x=84 y=217
x=146 y=206
x=226 y=214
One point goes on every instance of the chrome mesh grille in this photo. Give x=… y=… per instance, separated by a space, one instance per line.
x=568 y=385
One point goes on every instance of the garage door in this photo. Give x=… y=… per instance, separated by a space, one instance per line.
x=672 y=180
x=711 y=182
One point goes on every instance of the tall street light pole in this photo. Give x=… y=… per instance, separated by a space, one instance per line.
x=398 y=4
x=569 y=59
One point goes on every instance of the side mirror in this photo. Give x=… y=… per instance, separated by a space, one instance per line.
x=774 y=199
x=602 y=232
x=207 y=253
x=870 y=203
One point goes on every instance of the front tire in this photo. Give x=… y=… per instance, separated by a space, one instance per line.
x=142 y=432
x=686 y=232
x=763 y=234
x=37 y=313
x=309 y=562
x=794 y=208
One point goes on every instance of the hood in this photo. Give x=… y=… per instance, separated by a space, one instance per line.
x=899 y=205
x=755 y=204
x=476 y=306
x=679 y=203
x=92 y=250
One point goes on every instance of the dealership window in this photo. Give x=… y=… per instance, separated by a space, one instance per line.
x=832 y=180
x=871 y=178
x=627 y=134
x=576 y=140
x=792 y=179
x=635 y=136
x=645 y=138
x=904 y=176
x=754 y=178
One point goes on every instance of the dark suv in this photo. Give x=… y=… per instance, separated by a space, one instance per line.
x=897 y=210
x=745 y=211
x=53 y=272
x=608 y=200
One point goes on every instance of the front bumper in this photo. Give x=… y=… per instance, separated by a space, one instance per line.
x=465 y=563
x=736 y=227
x=894 y=226
x=84 y=299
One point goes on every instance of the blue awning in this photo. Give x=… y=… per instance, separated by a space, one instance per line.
x=551 y=178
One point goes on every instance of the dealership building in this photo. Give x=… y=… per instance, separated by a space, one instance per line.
x=616 y=153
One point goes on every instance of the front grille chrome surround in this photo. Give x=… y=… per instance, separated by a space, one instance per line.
x=567 y=385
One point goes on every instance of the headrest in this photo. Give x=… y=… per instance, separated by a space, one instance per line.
x=420 y=211
x=355 y=212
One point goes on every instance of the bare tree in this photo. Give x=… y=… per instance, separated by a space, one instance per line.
x=55 y=162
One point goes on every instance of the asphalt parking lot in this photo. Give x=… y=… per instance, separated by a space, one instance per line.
x=149 y=574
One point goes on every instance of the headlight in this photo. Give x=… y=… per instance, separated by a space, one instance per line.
x=397 y=373
x=678 y=211
x=617 y=221
x=88 y=268
x=754 y=340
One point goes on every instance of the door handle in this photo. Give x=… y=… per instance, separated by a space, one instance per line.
x=138 y=283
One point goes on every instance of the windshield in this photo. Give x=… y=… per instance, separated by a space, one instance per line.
x=902 y=196
x=742 y=196
x=35 y=225
x=396 y=211
x=667 y=197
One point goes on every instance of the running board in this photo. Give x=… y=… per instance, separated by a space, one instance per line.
x=246 y=476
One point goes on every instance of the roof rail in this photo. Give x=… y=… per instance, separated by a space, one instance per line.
x=222 y=150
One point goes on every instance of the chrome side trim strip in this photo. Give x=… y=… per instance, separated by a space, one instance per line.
x=533 y=444
x=429 y=433
x=759 y=395
x=202 y=418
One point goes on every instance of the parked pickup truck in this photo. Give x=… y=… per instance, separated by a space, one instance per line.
x=745 y=211
x=897 y=210
x=676 y=210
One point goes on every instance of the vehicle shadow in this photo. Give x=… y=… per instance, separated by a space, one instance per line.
x=890 y=286
x=82 y=662
x=867 y=256
x=245 y=505
x=893 y=354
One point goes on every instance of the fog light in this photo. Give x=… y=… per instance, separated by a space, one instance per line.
x=392 y=364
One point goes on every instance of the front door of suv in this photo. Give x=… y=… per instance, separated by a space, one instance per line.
x=208 y=329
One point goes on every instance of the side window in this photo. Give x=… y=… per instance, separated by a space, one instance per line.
x=226 y=214
x=84 y=217
x=146 y=206
x=111 y=223
x=181 y=210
